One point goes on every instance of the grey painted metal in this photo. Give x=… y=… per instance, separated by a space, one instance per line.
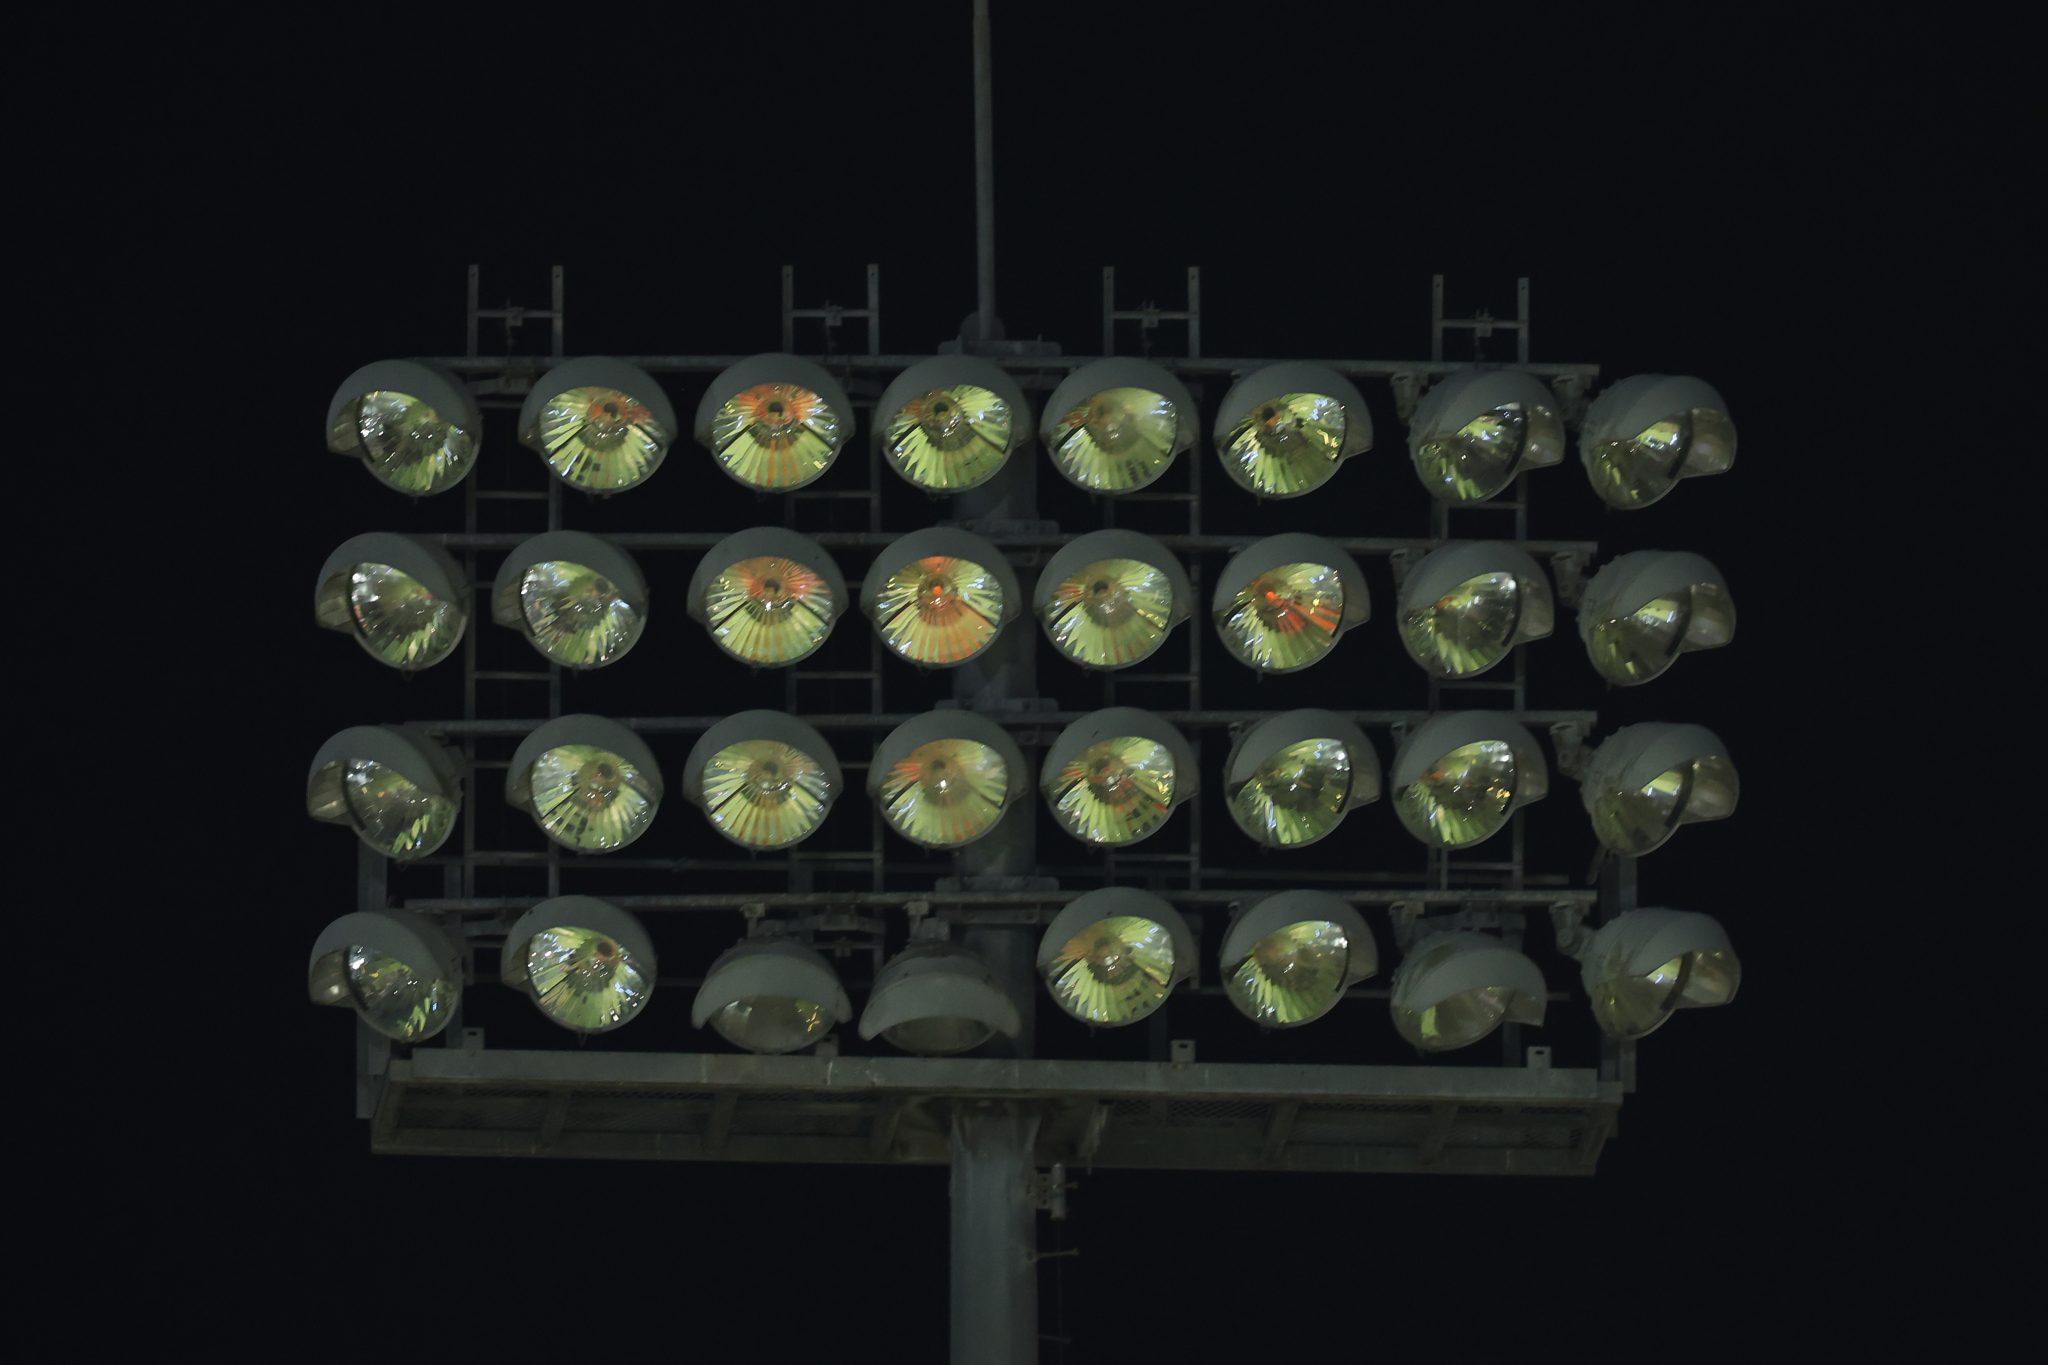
x=1267 y=737
x=767 y=966
x=1441 y=734
x=1005 y=539
x=596 y=372
x=938 y=981
x=994 y=1281
x=1294 y=547
x=432 y=382
x=758 y=542
x=564 y=547
x=1271 y=913
x=778 y=726
x=1030 y=368
x=1009 y=720
x=947 y=542
x=598 y=731
x=773 y=368
x=1000 y=903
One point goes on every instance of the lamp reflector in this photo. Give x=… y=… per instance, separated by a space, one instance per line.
x=1113 y=955
x=403 y=600
x=939 y=610
x=1474 y=431
x=1286 y=618
x=1288 y=959
x=1642 y=610
x=770 y=610
x=765 y=794
x=777 y=436
x=1297 y=795
x=948 y=439
x=414 y=427
x=771 y=996
x=1459 y=777
x=1647 y=780
x=1452 y=990
x=601 y=439
x=590 y=798
x=1464 y=606
x=946 y=793
x=575 y=615
x=1115 y=791
x=1649 y=431
x=1645 y=965
x=398 y=971
x=936 y=1000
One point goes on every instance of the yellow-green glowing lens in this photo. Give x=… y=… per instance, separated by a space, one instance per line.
x=1115 y=971
x=776 y=436
x=1637 y=647
x=1639 y=820
x=396 y=1000
x=769 y=610
x=585 y=980
x=398 y=818
x=950 y=438
x=1632 y=1006
x=400 y=619
x=765 y=794
x=576 y=615
x=1115 y=791
x=601 y=439
x=1289 y=444
x=1118 y=440
x=590 y=798
x=1469 y=629
x=939 y=610
x=1286 y=618
x=946 y=793
x=1293 y=975
x=408 y=445
x=772 y=1023
x=1482 y=457
x=1464 y=798
x=1636 y=471
x=1296 y=796
x=1111 y=614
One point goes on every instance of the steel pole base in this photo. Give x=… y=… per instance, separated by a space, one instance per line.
x=995 y=1237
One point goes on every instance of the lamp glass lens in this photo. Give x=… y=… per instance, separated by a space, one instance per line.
x=1636 y=647
x=399 y=619
x=1456 y=1022
x=769 y=610
x=1297 y=795
x=1118 y=440
x=1286 y=618
x=950 y=439
x=1635 y=821
x=1287 y=445
x=765 y=794
x=1631 y=1006
x=408 y=445
x=946 y=793
x=1469 y=629
x=585 y=980
x=575 y=615
x=601 y=439
x=1115 y=971
x=590 y=798
x=1111 y=614
x=394 y=815
x=776 y=435
x=1635 y=471
x=1115 y=791
x=1483 y=456
x=1464 y=797
x=1293 y=974
x=939 y=1037
x=397 y=1000
x=772 y=1023
x=939 y=611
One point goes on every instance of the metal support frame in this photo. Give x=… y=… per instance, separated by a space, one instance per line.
x=513 y=316
x=1481 y=325
x=829 y=313
x=1149 y=315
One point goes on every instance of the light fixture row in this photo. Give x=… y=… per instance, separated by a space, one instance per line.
x=777 y=422
x=766 y=780
x=1110 y=958
x=939 y=597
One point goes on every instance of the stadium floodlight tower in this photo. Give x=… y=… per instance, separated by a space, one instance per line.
x=978 y=834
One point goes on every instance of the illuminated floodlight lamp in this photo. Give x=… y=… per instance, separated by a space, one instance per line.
x=1289 y=958
x=949 y=423
x=943 y=779
x=1643 y=966
x=1282 y=603
x=579 y=600
x=768 y=596
x=602 y=425
x=1108 y=599
x=587 y=964
x=399 y=790
x=398 y=971
x=1451 y=990
x=1645 y=781
x=1476 y=430
x=938 y=597
x=1643 y=610
x=774 y=422
x=763 y=779
x=405 y=601
x=771 y=995
x=1115 y=775
x=1284 y=430
x=1113 y=955
x=414 y=426
x=1651 y=430
x=591 y=784
x=1464 y=606
x=1115 y=425
x=1292 y=778
x=1458 y=777
x=935 y=999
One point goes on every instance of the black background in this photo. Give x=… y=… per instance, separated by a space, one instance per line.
x=1751 y=202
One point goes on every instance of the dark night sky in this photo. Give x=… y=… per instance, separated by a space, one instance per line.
x=1676 y=197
